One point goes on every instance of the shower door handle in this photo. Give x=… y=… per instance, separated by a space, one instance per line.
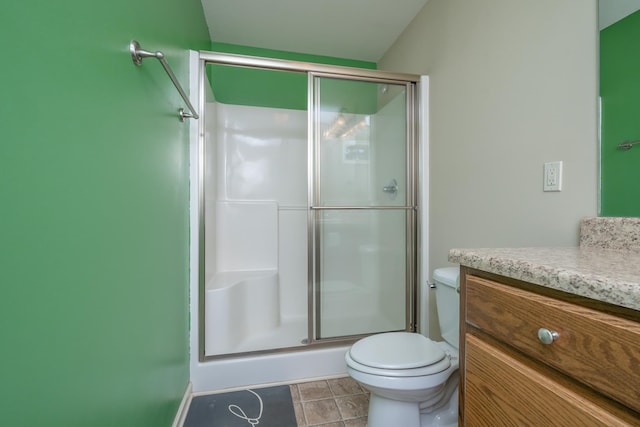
x=391 y=188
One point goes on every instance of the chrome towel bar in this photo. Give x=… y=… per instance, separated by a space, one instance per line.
x=138 y=54
x=627 y=145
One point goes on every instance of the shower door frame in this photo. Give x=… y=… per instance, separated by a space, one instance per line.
x=410 y=206
x=413 y=173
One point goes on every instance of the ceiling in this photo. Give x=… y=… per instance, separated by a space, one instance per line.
x=353 y=29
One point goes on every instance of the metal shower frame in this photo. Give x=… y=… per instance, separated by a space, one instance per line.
x=313 y=70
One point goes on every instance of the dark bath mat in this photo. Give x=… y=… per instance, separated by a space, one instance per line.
x=261 y=407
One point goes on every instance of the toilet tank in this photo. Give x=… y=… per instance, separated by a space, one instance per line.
x=448 y=303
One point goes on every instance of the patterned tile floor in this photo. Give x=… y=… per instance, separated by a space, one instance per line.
x=338 y=402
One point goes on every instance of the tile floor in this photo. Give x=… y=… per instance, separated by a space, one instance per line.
x=338 y=402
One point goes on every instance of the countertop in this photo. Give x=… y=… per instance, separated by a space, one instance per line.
x=603 y=274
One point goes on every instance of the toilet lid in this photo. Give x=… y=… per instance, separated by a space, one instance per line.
x=396 y=350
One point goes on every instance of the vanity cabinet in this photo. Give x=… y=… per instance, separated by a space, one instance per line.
x=531 y=356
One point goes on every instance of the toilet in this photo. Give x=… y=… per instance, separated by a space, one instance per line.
x=413 y=380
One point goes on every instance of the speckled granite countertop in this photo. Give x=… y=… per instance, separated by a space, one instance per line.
x=607 y=275
x=595 y=270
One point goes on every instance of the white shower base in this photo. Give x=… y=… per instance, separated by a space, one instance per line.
x=281 y=367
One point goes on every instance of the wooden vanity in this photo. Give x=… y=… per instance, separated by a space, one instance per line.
x=551 y=336
x=535 y=356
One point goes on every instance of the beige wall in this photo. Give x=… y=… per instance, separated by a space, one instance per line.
x=513 y=84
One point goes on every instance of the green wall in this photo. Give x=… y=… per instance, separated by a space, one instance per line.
x=620 y=95
x=93 y=213
x=278 y=89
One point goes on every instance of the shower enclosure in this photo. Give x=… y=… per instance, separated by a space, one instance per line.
x=307 y=205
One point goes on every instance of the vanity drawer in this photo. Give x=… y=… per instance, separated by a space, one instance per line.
x=506 y=388
x=595 y=348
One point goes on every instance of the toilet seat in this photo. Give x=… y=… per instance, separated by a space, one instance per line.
x=397 y=354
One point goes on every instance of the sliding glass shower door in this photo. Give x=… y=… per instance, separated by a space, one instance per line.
x=306 y=205
x=363 y=206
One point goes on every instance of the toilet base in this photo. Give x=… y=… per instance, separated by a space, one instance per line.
x=385 y=412
x=446 y=416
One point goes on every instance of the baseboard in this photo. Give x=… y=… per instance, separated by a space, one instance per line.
x=181 y=415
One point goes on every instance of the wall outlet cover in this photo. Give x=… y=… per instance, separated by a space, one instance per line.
x=552 y=176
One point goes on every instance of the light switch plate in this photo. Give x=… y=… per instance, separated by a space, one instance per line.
x=552 y=176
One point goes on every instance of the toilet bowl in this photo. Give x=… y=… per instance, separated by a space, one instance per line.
x=413 y=380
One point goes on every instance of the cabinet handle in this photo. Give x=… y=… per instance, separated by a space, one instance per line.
x=546 y=336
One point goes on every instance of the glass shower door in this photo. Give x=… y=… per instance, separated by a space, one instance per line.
x=362 y=206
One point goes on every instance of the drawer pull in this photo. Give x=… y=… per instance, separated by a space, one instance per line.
x=546 y=336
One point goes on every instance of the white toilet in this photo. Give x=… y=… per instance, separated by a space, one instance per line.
x=413 y=381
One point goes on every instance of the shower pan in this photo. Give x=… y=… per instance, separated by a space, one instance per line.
x=308 y=205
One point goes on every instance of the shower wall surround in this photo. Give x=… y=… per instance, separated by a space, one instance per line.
x=255 y=250
x=256 y=226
